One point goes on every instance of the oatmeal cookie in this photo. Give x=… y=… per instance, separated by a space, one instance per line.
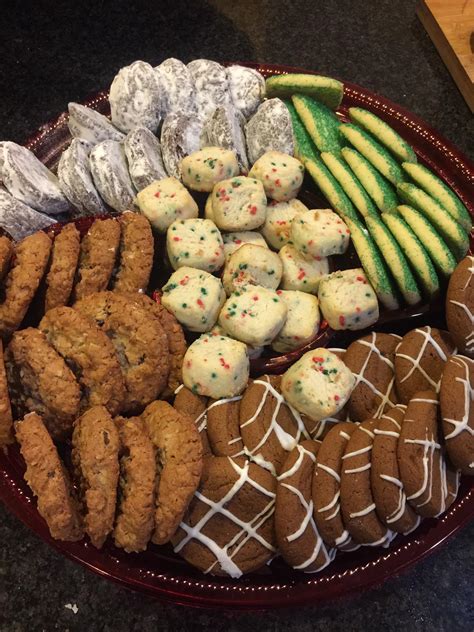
x=135 y=253
x=64 y=259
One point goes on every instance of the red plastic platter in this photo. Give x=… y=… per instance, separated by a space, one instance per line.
x=162 y=574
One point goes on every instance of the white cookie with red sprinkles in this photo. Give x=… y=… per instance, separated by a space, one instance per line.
x=300 y=272
x=280 y=174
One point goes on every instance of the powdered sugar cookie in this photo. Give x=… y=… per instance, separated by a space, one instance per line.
x=270 y=128
x=180 y=136
x=225 y=128
x=247 y=88
x=211 y=86
x=176 y=86
x=145 y=163
x=110 y=174
x=90 y=125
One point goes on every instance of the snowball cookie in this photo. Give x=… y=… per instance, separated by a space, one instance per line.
x=300 y=272
x=302 y=321
x=196 y=243
x=252 y=264
x=239 y=204
x=277 y=227
x=233 y=241
x=319 y=233
x=164 y=201
x=195 y=297
x=247 y=89
x=318 y=384
x=254 y=315
x=253 y=352
x=216 y=366
x=347 y=300
x=202 y=169
x=280 y=174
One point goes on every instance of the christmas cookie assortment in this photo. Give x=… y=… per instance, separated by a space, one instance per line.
x=128 y=372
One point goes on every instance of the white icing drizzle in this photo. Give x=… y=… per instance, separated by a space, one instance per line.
x=363 y=512
x=424 y=400
x=462 y=424
x=332 y=473
x=344 y=435
x=465 y=308
x=248 y=529
x=201 y=420
x=357 y=452
x=180 y=387
x=387 y=433
x=362 y=468
x=427 y=339
x=430 y=445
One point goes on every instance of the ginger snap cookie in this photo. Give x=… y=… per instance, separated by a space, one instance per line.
x=269 y=426
x=326 y=488
x=420 y=359
x=297 y=536
x=420 y=458
x=195 y=406
x=357 y=501
x=387 y=488
x=62 y=269
x=6 y=417
x=457 y=411
x=223 y=426
x=136 y=249
x=95 y=457
x=177 y=442
x=460 y=306
x=371 y=360
x=228 y=529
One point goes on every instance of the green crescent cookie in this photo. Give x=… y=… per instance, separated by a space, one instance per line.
x=453 y=233
x=377 y=187
x=373 y=151
x=438 y=190
x=330 y=187
x=395 y=260
x=323 y=89
x=432 y=242
x=304 y=146
x=383 y=133
x=373 y=264
x=351 y=186
x=414 y=252
x=321 y=123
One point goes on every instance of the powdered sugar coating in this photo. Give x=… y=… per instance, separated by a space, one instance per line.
x=176 y=86
x=18 y=219
x=110 y=173
x=143 y=151
x=247 y=89
x=91 y=125
x=225 y=128
x=210 y=81
x=269 y=129
x=180 y=136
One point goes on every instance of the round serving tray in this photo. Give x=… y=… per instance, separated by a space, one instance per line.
x=164 y=575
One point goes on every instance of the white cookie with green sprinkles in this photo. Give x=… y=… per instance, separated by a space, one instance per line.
x=196 y=243
x=302 y=321
x=202 y=169
x=252 y=264
x=277 y=226
x=319 y=233
x=233 y=241
x=301 y=272
x=238 y=203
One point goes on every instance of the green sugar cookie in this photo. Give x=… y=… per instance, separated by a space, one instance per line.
x=320 y=122
x=453 y=233
x=330 y=188
x=395 y=260
x=323 y=89
x=414 y=252
x=440 y=191
x=373 y=151
x=383 y=133
x=377 y=187
x=351 y=186
x=373 y=264
x=432 y=242
x=304 y=146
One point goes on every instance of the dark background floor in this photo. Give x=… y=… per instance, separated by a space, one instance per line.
x=52 y=53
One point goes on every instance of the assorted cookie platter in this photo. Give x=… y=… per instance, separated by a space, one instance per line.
x=140 y=428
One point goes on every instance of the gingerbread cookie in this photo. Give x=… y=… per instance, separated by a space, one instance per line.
x=62 y=269
x=195 y=406
x=177 y=441
x=457 y=411
x=419 y=361
x=297 y=536
x=387 y=489
x=371 y=360
x=357 y=501
x=223 y=426
x=326 y=488
x=135 y=253
x=228 y=529
x=6 y=417
x=269 y=426
x=460 y=306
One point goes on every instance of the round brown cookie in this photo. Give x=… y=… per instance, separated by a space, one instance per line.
x=420 y=459
x=357 y=502
x=176 y=341
x=177 y=441
x=194 y=406
x=297 y=536
x=139 y=340
x=326 y=488
x=387 y=489
x=40 y=381
x=135 y=253
x=95 y=457
x=223 y=426
x=6 y=417
x=457 y=411
x=90 y=354
x=97 y=257
x=371 y=360
x=229 y=527
x=268 y=426
x=136 y=503
x=62 y=268
x=29 y=266
x=48 y=479
x=419 y=361
x=6 y=253
x=460 y=306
